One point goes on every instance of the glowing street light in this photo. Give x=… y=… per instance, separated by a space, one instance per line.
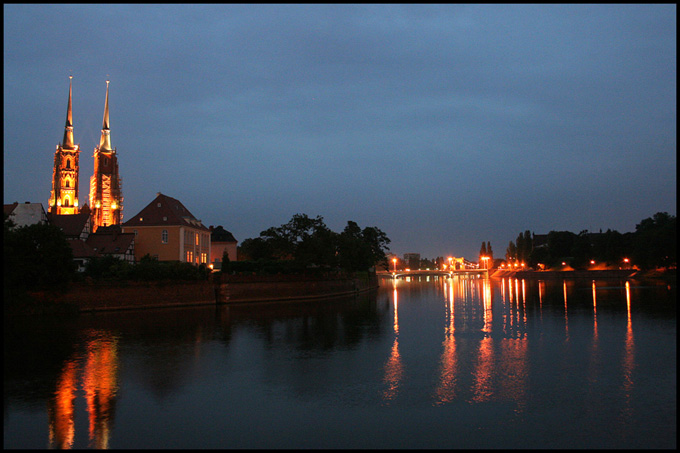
x=394 y=260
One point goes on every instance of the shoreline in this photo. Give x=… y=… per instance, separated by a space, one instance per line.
x=95 y=297
x=666 y=275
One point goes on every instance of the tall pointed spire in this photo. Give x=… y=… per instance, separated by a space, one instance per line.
x=68 y=130
x=105 y=141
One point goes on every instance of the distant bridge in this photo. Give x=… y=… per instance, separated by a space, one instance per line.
x=415 y=272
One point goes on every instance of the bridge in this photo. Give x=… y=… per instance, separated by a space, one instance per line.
x=445 y=273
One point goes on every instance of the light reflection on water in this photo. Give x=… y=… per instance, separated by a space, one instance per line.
x=439 y=362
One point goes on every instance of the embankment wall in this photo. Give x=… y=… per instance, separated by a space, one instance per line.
x=89 y=297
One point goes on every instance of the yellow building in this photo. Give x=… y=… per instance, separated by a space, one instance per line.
x=221 y=242
x=167 y=231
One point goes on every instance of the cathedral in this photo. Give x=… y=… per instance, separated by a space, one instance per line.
x=106 y=196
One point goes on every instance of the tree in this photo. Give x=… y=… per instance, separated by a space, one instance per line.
x=581 y=250
x=559 y=245
x=37 y=256
x=511 y=252
x=655 y=241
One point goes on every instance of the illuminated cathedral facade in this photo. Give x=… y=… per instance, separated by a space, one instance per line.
x=106 y=196
x=64 y=194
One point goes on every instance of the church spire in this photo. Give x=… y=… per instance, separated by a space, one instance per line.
x=68 y=130
x=105 y=141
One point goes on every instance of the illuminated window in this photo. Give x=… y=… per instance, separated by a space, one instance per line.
x=190 y=256
x=164 y=237
x=196 y=236
x=204 y=257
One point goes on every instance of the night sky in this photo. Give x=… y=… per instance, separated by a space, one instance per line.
x=442 y=125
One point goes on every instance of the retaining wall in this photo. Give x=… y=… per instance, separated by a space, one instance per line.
x=88 y=297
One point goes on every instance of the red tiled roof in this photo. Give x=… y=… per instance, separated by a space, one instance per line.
x=110 y=243
x=219 y=234
x=8 y=208
x=81 y=249
x=71 y=224
x=164 y=210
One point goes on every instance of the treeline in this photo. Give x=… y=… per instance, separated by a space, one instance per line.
x=652 y=245
x=304 y=244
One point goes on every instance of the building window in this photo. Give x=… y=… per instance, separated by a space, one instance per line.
x=196 y=236
x=204 y=257
x=190 y=256
x=164 y=237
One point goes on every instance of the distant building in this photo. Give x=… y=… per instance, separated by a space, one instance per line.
x=412 y=260
x=75 y=226
x=25 y=214
x=222 y=241
x=77 y=229
x=111 y=241
x=167 y=231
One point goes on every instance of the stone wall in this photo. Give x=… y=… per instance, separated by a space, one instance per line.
x=90 y=297
x=109 y=296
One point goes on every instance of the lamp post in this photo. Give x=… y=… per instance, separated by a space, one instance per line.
x=394 y=261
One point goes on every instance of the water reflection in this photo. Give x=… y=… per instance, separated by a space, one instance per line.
x=465 y=356
x=394 y=369
x=448 y=363
x=99 y=382
x=628 y=364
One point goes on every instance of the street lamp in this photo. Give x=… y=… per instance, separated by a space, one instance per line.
x=394 y=260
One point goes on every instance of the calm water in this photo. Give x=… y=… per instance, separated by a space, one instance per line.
x=433 y=363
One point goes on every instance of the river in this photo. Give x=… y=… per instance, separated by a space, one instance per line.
x=426 y=362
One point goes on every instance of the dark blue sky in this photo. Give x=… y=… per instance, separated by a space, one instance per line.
x=442 y=125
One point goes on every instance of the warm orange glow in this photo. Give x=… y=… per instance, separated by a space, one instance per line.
x=114 y=205
x=448 y=370
x=394 y=368
x=61 y=412
x=100 y=383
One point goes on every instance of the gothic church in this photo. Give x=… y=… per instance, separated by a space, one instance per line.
x=106 y=196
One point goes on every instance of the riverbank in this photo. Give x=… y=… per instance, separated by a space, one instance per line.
x=666 y=275
x=88 y=297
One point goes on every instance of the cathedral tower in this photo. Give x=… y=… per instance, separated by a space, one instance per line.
x=106 y=196
x=64 y=194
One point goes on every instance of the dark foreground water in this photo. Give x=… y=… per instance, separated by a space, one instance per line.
x=437 y=363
